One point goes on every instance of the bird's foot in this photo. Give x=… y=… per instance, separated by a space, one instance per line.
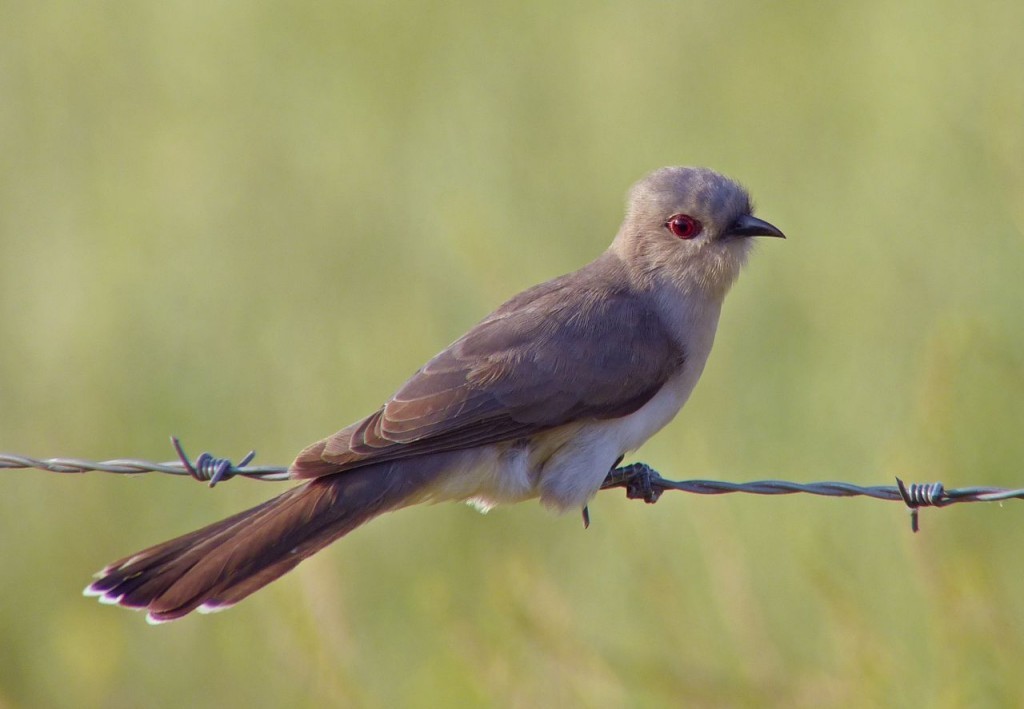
x=639 y=479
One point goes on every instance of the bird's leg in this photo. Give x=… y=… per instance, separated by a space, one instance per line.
x=639 y=479
x=586 y=509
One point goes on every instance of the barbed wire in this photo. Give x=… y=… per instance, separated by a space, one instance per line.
x=643 y=482
x=639 y=480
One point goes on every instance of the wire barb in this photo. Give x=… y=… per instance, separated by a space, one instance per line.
x=208 y=468
x=918 y=495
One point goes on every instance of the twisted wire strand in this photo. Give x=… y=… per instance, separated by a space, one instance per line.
x=206 y=467
x=132 y=466
x=639 y=480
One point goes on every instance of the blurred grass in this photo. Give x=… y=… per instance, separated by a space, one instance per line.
x=246 y=223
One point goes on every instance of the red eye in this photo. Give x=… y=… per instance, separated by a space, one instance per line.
x=683 y=226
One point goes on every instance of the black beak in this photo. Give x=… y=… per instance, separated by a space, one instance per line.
x=748 y=225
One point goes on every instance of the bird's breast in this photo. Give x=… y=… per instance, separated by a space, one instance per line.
x=631 y=431
x=692 y=325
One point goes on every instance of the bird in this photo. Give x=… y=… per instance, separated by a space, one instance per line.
x=541 y=399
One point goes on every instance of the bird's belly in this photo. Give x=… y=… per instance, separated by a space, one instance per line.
x=564 y=466
x=487 y=476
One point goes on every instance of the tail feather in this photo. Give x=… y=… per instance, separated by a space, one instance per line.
x=219 y=565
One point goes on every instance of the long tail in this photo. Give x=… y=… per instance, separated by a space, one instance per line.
x=217 y=566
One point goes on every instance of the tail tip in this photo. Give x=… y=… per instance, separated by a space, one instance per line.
x=213 y=607
x=110 y=597
x=102 y=594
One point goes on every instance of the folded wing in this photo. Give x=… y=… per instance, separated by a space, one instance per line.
x=575 y=348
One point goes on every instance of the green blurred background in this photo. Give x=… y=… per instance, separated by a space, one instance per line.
x=247 y=223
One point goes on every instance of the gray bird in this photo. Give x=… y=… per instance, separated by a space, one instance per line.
x=541 y=399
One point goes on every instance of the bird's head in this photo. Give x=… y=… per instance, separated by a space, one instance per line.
x=690 y=225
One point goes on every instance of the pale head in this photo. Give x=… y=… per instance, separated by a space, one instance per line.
x=689 y=225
